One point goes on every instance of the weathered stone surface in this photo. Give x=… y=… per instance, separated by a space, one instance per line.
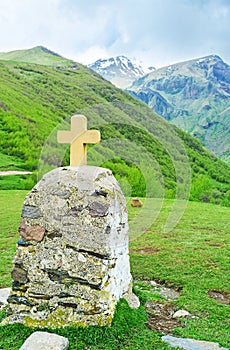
x=191 y=344
x=44 y=341
x=72 y=262
x=61 y=193
x=31 y=233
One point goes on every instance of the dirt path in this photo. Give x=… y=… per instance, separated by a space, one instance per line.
x=14 y=172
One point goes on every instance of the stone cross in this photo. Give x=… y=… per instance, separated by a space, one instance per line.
x=78 y=137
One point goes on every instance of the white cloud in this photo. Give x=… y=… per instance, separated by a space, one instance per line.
x=158 y=32
x=91 y=54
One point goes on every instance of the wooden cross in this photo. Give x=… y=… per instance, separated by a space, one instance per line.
x=78 y=137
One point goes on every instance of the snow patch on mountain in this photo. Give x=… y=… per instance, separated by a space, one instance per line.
x=120 y=70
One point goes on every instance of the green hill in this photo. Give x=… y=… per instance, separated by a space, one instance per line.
x=138 y=144
x=38 y=55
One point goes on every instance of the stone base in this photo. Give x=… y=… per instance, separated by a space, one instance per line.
x=71 y=264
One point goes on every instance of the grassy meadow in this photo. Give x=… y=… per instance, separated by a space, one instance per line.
x=193 y=258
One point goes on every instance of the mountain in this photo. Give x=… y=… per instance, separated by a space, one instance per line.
x=38 y=55
x=136 y=143
x=120 y=70
x=195 y=96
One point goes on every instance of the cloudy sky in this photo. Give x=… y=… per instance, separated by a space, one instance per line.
x=156 y=32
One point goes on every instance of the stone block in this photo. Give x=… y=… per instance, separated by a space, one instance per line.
x=72 y=262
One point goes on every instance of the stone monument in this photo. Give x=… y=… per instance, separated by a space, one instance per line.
x=71 y=264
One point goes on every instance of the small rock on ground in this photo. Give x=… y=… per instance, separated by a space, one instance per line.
x=44 y=341
x=132 y=300
x=191 y=344
x=182 y=313
x=4 y=293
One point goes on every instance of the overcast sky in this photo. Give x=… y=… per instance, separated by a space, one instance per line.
x=156 y=32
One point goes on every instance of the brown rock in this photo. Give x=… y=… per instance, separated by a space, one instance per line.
x=31 y=233
x=136 y=202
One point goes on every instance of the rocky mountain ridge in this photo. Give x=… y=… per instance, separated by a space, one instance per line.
x=195 y=96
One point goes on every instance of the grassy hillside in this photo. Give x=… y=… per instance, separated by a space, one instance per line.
x=35 y=99
x=38 y=55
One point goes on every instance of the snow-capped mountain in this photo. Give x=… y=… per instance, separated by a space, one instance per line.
x=195 y=96
x=120 y=70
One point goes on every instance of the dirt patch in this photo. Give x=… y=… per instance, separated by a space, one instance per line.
x=214 y=244
x=158 y=288
x=160 y=317
x=221 y=297
x=199 y=228
x=218 y=244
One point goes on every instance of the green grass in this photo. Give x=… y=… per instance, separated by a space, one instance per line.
x=10 y=212
x=128 y=331
x=17 y=182
x=10 y=163
x=193 y=257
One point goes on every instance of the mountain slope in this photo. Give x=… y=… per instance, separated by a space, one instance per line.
x=34 y=99
x=38 y=55
x=120 y=70
x=195 y=96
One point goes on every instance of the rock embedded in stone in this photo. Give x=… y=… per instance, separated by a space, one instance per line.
x=44 y=341
x=22 y=242
x=72 y=262
x=98 y=209
x=29 y=211
x=18 y=274
x=31 y=233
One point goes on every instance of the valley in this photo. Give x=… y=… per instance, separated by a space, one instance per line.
x=36 y=98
